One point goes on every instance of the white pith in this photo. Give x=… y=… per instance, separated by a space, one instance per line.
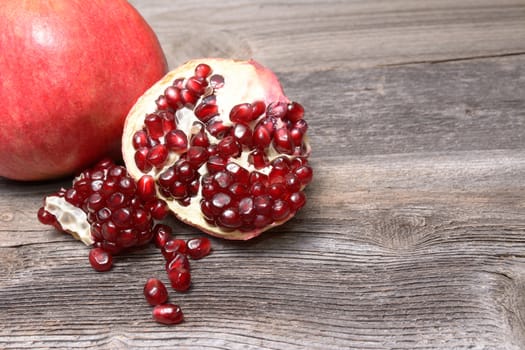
x=244 y=81
x=72 y=219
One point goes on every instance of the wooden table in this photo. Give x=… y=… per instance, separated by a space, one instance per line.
x=414 y=233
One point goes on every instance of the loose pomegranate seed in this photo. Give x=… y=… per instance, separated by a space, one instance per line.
x=180 y=279
x=46 y=217
x=172 y=247
x=146 y=187
x=161 y=234
x=155 y=292
x=168 y=314
x=198 y=248
x=179 y=260
x=100 y=259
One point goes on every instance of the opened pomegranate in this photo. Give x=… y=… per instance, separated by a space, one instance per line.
x=219 y=141
x=70 y=70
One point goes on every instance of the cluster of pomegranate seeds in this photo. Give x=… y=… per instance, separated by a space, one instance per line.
x=247 y=169
x=119 y=215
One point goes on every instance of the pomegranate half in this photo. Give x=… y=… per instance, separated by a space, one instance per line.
x=70 y=71
x=219 y=141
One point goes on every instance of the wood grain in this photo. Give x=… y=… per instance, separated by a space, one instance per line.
x=414 y=232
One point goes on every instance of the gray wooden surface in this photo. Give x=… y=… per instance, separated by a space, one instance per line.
x=414 y=233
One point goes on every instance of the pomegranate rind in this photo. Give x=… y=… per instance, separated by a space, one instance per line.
x=245 y=81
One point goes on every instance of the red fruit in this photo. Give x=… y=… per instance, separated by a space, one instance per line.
x=172 y=247
x=198 y=248
x=68 y=80
x=100 y=259
x=180 y=279
x=233 y=178
x=155 y=292
x=168 y=314
x=106 y=208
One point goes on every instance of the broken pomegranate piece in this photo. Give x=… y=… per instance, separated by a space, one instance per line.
x=222 y=145
x=106 y=209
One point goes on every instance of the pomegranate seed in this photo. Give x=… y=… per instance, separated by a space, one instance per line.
x=100 y=259
x=261 y=137
x=219 y=202
x=215 y=164
x=196 y=85
x=146 y=187
x=202 y=70
x=179 y=260
x=46 y=217
x=241 y=113
x=200 y=139
x=162 y=103
x=216 y=81
x=262 y=204
x=198 y=248
x=172 y=247
x=73 y=197
x=127 y=238
x=154 y=125
x=155 y=292
x=168 y=121
x=258 y=108
x=230 y=218
x=158 y=209
x=197 y=156
x=276 y=190
x=280 y=210
x=292 y=182
x=178 y=83
x=243 y=134
x=206 y=111
x=282 y=141
x=157 y=155
x=168 y=314
x=295 y=112
x=301 y=125
x=229 y=147
x=258 y=159
x=297 y=200
x=176 y=140
x=141 y=160
x=261 y=221
x=217 y=127
x=305 y=174
x=174 y=97
x=246 y=209
x=122 y=217
x=140 y=139
x=277 y=110
x=189 y=98
x=180 y=279
x=141 y=220
x=161 y=234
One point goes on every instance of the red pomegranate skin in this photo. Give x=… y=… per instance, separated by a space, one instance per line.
x=70 y=71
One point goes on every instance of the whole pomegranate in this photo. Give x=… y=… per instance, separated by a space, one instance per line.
x=220 y=142
x=70 y=71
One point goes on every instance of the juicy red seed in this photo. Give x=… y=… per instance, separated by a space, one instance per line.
x=281 y=165
x=282 y=141
x=97 y=175
x=261 y=221
x=189 y=98
x=161 y=234
x=82 y=186
x=246 y=209
x=202 y=70
x=184 y=170
x=103 y=214
x=262 y=204
x=219 y=202
x=111 y=247
x=295 y=112
x=122 y=217
x=178 y=83
x=162 y=103
x=222 y=179
x=100 y=259
x=301 y=125
x=168 y=314
x=197 y=156
x=126 y=185
x=257 y=189
x=197 y=85
x=258 y=159
x=261 y=137
x=297 y=200
x=46 y=217
x=238 y=190
x=229 y=147
x=241 y=113
x=206 y=111
x=127 y=238
x=208 y=190
x=304 y=173
x=292 y=182
x=198 y=248
x=200 y=139
x=276 y=190
x=173 y=97
x=167 y=177
x=238 y=172
x=155 y=292
x=141 y=160
x=230 y=218
x=218 y=128
x=116 y=171
x=108 y=187
x=193 y=187
x=178 y=260
x=172 y=247
x=277 y=110
x=206 y=210
x=73 y=197
x=146 y=187
x=116 y=200
x=216 y=81
x=109 y=231
x=180 y=279
x=144 y=237
x=140 y=139
x=168 y=121
x=258 y=177
x=296 y=136
x=280 y=210
x=158 y=209
x=243 y=134
x=141 y=219
x=258 y=108
x=153 y=124
x=157 y=155
x=215 y=164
